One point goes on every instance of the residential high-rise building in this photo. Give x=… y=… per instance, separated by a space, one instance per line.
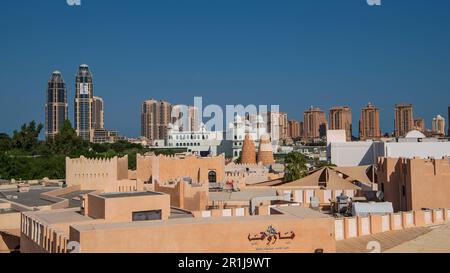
x=404 y=119
x=340 y=118
x=189 y=123
x=369 y=124
x=294 y=129
x=155 y=118
x=419 y=124
x=284 y=126
x=56 y=105
x=315 y=124
x=277 y=125
x=438 y=127
x=84 y=99
x=99 y=113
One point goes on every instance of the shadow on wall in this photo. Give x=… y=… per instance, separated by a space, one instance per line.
x=9 y=242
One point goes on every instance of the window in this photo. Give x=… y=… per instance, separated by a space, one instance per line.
x=403 y=191
x=150 y=215
x=212 y=177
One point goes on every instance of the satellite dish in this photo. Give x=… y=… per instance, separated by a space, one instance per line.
x=380 y=195
x=315 y=202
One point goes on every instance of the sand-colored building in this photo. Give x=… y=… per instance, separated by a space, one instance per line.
x=112 y=224
x=201 y=170
x=315 y=124
x=404 y=119
x=155 y=119
x=109 y=174
x=295 y=129
x=369 y=125
x=340 y=118
x=415 y=184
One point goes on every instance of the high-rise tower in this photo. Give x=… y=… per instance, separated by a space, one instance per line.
x=84 y=99
x=56 y=105
x=315 y=124
x=99 y=113
x=369 y=124
x=404 y=119
x=155 y=118
x=341 y=119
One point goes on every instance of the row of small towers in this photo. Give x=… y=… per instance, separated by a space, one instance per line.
x=265 y=153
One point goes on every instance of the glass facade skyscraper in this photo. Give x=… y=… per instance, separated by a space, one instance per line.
x=56 y=105
x=84 y=99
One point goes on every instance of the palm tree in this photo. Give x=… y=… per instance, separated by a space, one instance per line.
x=295 y=166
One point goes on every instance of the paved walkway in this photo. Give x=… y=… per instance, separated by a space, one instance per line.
x=387 y=240
x=435 y=241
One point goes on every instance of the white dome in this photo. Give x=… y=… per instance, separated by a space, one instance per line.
x=415 y=134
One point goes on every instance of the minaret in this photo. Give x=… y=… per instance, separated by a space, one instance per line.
x=56 y=105
x=265 y=155
x=248 y=151
x=84 y=99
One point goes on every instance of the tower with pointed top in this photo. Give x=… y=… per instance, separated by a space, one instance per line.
x=56 y=105
x=84 y=100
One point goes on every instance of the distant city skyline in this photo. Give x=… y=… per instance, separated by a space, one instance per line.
x=301 y=53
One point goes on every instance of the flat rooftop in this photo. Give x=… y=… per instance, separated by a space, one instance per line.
x=245 y=195
x=301 y=212
x=129 y=194
x=61 y=216
x=29 y=199
x=296 y=213
x=73 y=203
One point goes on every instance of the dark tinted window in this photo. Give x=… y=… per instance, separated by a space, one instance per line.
x=150 y=215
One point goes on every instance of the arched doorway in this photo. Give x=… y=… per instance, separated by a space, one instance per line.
x=212 y=177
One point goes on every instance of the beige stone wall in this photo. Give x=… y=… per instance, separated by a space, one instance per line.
x=352 y=227
x=9 y=221
x=92 y=174
x=227 y=235
x=96 y=206
x=424 y=182
x=121 y=209
x=9 y=231
x=185 y=196
x=164 y=168
x=9 y=240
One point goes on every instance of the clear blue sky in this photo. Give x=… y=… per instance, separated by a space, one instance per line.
x=293 y=53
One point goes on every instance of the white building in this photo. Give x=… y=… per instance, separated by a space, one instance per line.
x=414 y=144
x=255 y=127
x=201 y=142
x=438 y=125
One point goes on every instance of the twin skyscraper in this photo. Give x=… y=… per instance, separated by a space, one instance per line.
x=88 y=110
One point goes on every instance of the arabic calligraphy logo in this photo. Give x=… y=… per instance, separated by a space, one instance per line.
x=272 y=236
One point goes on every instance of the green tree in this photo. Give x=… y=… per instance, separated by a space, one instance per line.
x=5 y=143
x=295 y=166
x=27 y=138
x=67 y=142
